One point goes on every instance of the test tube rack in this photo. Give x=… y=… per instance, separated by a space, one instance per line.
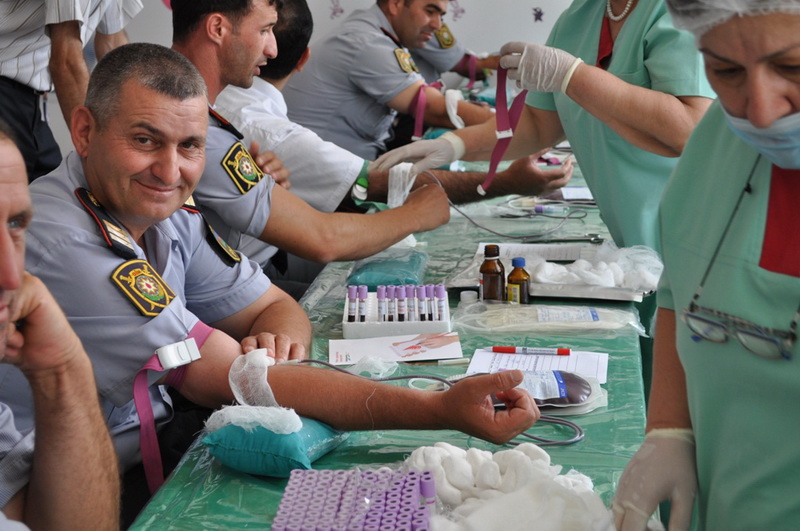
x=352 y=500
x=374 y=326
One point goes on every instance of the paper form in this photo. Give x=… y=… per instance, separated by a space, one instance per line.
x=582 y=363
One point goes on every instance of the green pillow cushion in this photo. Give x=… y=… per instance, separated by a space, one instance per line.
x=263 y=452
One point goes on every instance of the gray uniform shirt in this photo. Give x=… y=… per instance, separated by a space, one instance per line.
x=235 y=195
x=66 y=250
x=16 y=455
x=343 y=91
x=321 y=172
x=434 y=59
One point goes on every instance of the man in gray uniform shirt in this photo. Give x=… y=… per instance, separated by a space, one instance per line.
x=362 y=75
x=446 y=54
x=236 y=196
x=46 y=484
x=322 y=172
x=137 y=271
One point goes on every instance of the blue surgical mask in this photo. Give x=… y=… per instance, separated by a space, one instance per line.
x=780 y=142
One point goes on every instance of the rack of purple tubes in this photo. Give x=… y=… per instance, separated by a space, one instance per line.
x=353 y=500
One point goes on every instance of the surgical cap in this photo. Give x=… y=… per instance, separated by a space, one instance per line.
x=699 y=16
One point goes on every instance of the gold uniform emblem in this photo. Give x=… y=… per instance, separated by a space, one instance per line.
x=241 y=168
x=445 y=37
x=143 y=286
x=405 y=61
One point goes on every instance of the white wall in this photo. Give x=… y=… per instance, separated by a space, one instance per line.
x=482 y=25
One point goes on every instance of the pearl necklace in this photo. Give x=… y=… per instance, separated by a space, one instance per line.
x=617 y=18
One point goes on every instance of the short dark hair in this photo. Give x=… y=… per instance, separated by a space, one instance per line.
x=154 y=66
x=292 y=33
x=187 y=14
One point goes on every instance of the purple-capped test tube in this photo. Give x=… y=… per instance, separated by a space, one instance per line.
x=362 y=303
x=381 y=296
x=429 y=291
x=352 y=303
x=440 y=294
x=411 y=302
x=422 y=304
x=400 y=294
x=390 y=295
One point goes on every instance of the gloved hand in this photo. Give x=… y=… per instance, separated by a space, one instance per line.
x=663 y=468
x=426 y=154
x=539 y=68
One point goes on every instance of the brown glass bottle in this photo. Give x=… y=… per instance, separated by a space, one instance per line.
x=492 y=275
x=518 y=282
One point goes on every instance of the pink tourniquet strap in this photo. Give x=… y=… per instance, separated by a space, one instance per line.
x=148 y=439
x=418 y=105
x=507 y=120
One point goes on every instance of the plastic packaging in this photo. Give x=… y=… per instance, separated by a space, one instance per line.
x=390 y=267
x=480 y=317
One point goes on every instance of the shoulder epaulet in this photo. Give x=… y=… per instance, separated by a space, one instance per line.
x=115 y=236
x=223 y=249
x=227 y=253
x=445 y=37
x=191 y=206
x=225 y=124
x=402 y=55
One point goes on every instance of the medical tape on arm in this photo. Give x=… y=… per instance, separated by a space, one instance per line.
x=175 y=358
x=507 y=120
x=451 y=99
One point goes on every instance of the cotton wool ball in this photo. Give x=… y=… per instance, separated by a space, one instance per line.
x=446 y=492
x=534 y=453
x=488 y=475
x=581 y=265
x=619 y=275
x=475 y=457
x=452 y=450
x=459 y=472
x=633 y=280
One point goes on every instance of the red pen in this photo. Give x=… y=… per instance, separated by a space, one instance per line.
x=533 y=350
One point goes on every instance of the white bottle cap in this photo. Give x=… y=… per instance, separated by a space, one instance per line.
x=469 y=296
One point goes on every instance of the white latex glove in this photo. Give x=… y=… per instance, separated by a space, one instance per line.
x=426 y=154
x=539 y=68
x=663 y=468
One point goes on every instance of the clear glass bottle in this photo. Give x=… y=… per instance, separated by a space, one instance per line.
x=518 y=282
x=492 y=275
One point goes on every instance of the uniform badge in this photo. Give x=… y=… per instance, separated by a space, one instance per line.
x=405 y=61
x=241 y=168
x=145 y=288
x=445 y=37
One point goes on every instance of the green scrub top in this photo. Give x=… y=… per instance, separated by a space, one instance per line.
x=743 y=408
x=648 y=52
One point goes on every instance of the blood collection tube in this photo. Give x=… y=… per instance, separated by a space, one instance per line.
x=390 y=296
x=381 y=296
x=411 y=302
x=422 y=304
x=362 y=303
x=400 y=294
x=441 y=302
x=352 y=303
x=429 y=293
